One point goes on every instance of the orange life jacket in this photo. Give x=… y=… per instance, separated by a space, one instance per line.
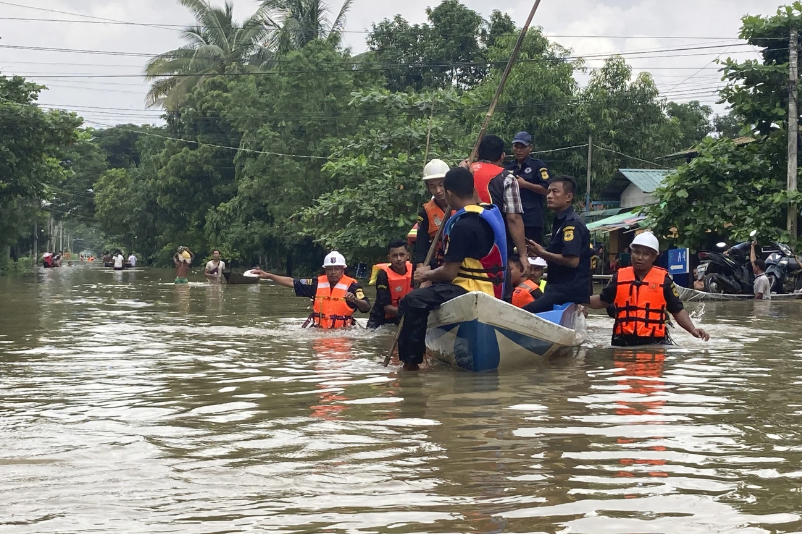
x=482 y=174
x=399 y=284
x=330 y=310
x=435 y=215
x=523 y=294
x=640 y=306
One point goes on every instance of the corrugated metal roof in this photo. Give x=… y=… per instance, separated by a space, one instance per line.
x=622 y=220
x=647 y=180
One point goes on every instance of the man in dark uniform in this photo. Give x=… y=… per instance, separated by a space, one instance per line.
x=533 y=180
x=568 y=253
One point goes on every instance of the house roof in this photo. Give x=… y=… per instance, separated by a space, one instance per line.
x=647 y=180
x=622 y=220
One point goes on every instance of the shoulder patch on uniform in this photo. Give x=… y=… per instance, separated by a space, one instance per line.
x=420 y=219
x=306 y=281
x=674 y=289
x=360 y=295
x=544 y=173
x=568 y=233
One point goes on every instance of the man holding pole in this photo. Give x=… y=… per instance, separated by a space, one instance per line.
x=475 y=259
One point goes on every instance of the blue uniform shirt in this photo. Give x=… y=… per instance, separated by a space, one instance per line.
x=535 y=172
x=570 y=237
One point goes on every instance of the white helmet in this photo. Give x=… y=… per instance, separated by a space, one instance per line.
x=538 y=262
x=647 y=239
x=435 y=169
x=334 y=259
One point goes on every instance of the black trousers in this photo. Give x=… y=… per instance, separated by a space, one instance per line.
x=548 y=301
x=535 y=233
x=415 y=308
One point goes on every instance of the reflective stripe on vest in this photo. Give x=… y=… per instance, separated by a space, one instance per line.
x=398 y=284
x=485 y=274
x=523 y=294
x=330 y=310
x=640 y=305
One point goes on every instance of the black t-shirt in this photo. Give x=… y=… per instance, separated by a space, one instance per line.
x=470 y=237
x=422 y=242
x=670 y=293
x=570 y=237
x=535 y=172
x=307 y=287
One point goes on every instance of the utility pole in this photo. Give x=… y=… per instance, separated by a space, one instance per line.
x=793 y=128
x=590 y=154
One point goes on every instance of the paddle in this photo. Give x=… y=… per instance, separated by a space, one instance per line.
x=472 y=157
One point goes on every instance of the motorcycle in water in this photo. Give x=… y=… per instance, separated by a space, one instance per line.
x=783 y=269
x=729 y=272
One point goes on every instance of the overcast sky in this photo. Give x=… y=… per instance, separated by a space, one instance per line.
x=683 y=75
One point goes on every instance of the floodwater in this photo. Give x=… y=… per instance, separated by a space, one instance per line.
x=128 y=404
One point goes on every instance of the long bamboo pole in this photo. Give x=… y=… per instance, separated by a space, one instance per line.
x=474 y=153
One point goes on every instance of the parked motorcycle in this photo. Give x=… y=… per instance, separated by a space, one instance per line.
x=783 y=269
x=726 y=273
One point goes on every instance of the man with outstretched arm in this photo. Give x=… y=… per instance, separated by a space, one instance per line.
x=475 y=259
x=642 y=294
x=568 y=253
x=335 y=296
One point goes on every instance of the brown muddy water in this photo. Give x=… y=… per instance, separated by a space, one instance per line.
x=128 y=404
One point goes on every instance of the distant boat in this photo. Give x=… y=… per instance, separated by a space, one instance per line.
x=238 y=278
x=477 y=332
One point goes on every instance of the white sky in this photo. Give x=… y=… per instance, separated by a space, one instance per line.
x=685 y=75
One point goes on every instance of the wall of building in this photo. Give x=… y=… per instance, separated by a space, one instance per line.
x=632 y=197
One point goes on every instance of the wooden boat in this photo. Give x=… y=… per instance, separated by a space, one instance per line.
x=692 y=295
x=239 y=278
x=477 y=332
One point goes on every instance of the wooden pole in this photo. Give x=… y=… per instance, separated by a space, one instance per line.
x=503 y=81
x=472 y=157
x=36 y=234
x=590 y=154
x=793 y=129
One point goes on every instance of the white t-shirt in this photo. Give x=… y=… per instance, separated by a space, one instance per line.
x=221 y=266
x=119 y=260
x=763 y=285
x=132 y=260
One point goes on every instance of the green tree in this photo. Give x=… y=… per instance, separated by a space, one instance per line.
x=691 y=121
x=296 y=23
x=729 y=125
x=727 y=189
x=215 y=45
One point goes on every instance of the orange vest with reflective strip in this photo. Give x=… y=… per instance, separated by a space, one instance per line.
x=640 y=306
x=523 y=294
x=330 y=310
x=435 y=215
x=399 y=284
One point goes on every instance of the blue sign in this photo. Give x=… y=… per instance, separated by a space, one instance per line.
x=678 y=261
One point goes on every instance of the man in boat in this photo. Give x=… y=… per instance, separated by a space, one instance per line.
x=215 y=267
x=537 y=267
x=641 y=295
x=432 y=214
x=474 y=259
x=568 y=253
x=335 y=296
x=533 y=180
x=526 y=291
x=393 y=283
x=498 y=186
x=183 y=261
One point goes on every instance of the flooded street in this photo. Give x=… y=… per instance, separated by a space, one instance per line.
x=128 y=404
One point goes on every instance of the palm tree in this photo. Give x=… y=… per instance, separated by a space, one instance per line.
x=296 y=23
x=214 y=44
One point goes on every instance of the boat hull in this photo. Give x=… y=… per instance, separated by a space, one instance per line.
x=477 y=332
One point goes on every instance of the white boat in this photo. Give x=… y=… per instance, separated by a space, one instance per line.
x=692 y=295
x=477 y=332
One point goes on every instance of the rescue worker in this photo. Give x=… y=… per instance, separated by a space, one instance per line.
x=335 y=296
x=526 y=291
x=568 y=253
x=498 y=186
x=533 y=180
x=432 y=214
x=641 y=295
x=475 y=259
x=537 y=267
x=393 y=283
